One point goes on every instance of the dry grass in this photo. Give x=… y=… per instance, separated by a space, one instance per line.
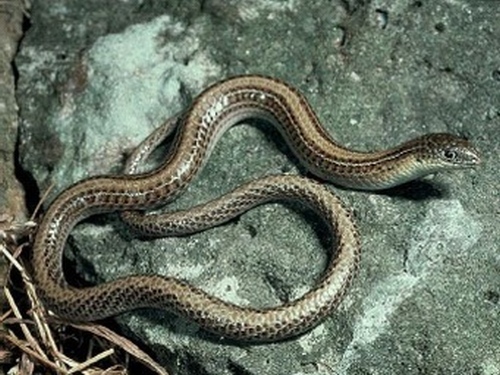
x=31 y=339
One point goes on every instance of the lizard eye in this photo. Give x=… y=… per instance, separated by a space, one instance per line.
x=449 y=155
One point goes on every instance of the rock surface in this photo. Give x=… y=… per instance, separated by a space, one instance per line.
x=94 y=81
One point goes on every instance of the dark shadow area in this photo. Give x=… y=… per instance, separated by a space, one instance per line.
x=417 y=190
x=236 y=369
x=26 y=179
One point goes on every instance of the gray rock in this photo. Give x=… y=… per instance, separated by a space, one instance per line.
x=93 y=81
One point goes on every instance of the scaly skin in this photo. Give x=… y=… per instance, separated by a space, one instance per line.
x=215 y=110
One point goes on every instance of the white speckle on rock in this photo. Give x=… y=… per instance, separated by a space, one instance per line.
x=447 y=231
x=383 y=300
